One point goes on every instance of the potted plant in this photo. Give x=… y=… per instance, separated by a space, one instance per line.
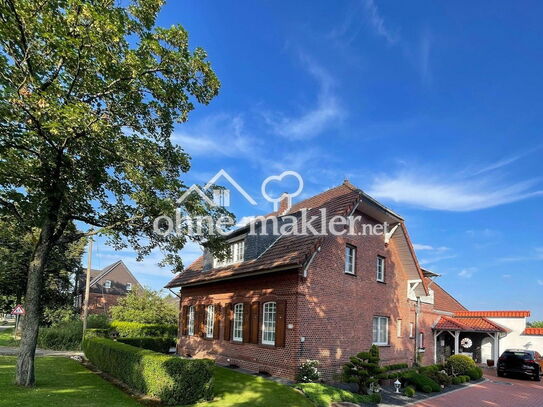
x=490 y=362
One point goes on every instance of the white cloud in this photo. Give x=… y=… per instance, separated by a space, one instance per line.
x=313 y=121
x=505 y=161
x=506 y=276
x=378 y=23
x=422 y=247
x=467 y=272
x=427 y=190
x=536 y=255
x=216 y=135
x=436 y=259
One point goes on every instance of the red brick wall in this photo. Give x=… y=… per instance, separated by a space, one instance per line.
x=101 y=303
x=276 y=361
x=336 y=310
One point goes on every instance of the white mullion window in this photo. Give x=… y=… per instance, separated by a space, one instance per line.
x=268 y=323
x=399 y=328
x=380 y=330
x=381 y=269
x=237 y=326
x=235 y=254
x=210 y=320
x=350 y=259
x=190 y=321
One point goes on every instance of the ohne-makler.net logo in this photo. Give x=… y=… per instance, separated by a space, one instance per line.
x=303 y=222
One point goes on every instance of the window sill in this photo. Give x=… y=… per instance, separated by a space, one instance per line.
x=349 y=274
x=382 y=345
x=381 y=282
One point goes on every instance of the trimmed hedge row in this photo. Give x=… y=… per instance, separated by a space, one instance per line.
x=161 y=345
x=172 y=379
x=139 y=330
x=421 y=382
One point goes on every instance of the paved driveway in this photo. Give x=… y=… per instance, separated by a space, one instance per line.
x=495 y=392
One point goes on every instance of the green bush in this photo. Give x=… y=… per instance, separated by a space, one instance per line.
x=161 y=345
x=465 y=378
x=457 y=380
x=459 y=364
x=323 y=396
x=97 y=321
x=138 y=330
x=409 y=391
x=475 y=373
x=397 y=366
x=65 y=336
x=375 y=398
x=430 y=369
x=172 y=379
x=308 y=372
x=97 y=333
x=421 y=382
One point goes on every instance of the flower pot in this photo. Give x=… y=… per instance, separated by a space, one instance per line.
x=490 y=362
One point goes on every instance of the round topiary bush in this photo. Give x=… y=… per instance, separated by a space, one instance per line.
x=457 y=380
x=460 y=364
x=409 y=391
x=475 y=373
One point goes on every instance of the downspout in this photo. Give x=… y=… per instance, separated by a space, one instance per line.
x=417 y=312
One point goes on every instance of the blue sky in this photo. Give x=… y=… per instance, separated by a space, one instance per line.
x=434 y=108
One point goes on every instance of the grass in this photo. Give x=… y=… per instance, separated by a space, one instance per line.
x=60 y=382
x=241 y=390
x=322 y=395
x=6 y=337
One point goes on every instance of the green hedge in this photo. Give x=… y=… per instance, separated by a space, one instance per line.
x=139 y=330
x=421 y=382
x=62 y=337
x=322 y=395
x=97 y=333
x=161 y=345
x=475 y=373
x=172 y=379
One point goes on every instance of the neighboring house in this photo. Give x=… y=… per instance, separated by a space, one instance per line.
x=106 y=287
x=280 y=300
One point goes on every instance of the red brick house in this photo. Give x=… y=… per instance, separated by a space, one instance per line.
x=106 y=287
x=282 y=299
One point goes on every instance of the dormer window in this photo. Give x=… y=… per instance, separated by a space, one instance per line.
x=107 y=284
x=236 y=253
x=128 y=286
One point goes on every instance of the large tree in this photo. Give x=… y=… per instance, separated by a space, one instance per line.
x=89 y=94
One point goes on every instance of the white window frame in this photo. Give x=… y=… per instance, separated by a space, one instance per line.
x=350 y=260
x=210 y=321
x=411 y=329
x=128 y=286
x=269 y=321
x=236 y=254
x=380 y=269
x=190 y=321
x=107 y=284
x=379 y=323
x=237 y=323
x=399 y=328
x=421 y=340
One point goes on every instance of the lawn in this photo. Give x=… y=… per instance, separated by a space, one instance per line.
x=241 y=390
x=60 y=382
x=6 y=337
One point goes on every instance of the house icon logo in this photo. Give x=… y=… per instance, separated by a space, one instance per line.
x=221 y=195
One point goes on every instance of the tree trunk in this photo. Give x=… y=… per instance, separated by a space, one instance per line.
x=25 y=361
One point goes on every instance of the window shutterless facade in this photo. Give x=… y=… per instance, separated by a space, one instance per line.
x=210 y=320
x=350 y=259
x=190 y=321
x=237 y=326
x=380 y=269
x=380 y=330
x=268 y=323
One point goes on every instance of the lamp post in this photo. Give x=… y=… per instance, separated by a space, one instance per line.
x=397 y=385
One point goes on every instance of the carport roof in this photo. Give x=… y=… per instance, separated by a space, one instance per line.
x=473 y=324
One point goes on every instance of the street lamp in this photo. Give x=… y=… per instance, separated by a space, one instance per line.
x=397 y=384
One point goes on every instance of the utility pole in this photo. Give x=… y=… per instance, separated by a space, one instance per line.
x=87 y=288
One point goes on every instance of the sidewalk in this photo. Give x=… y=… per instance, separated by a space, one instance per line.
x=13 y=351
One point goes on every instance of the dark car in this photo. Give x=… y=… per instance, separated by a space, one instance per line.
x=522 y=362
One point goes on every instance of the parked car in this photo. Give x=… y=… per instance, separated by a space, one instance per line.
x=520 y=361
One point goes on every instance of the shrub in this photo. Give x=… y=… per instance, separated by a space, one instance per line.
x=97 y=321
x=138 y=330
x=421 y=382
x=409 y=391
x=172 y=379
x=323 y=396
x=457 y=380
x=397 y=366
x=375 y=398
x=161 y=345
x=96 y=333
x=363 y=368
x=465 y=378
x=458 y=365
x=308 y=372
x=65 y=336
x=475 y=373
x=430 y=369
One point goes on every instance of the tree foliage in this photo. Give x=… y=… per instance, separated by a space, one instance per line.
x=62 y=268
x=89 y=94
x=145 y=306
x=363 y=368
x=535 y=324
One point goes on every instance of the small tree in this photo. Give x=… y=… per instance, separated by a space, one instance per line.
x=145 y=306
x=535 y=324
x=362 y=369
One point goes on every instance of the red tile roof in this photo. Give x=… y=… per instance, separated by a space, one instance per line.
x=533 y=331
x=494 y=314
x=288 y=251
x=477 y=324
x=443 y=301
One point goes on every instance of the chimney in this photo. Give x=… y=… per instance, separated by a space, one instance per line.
x=284 y=204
